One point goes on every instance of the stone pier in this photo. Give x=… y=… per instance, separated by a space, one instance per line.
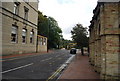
x=104 y=40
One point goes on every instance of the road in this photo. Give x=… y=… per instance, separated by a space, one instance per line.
x=35 y=66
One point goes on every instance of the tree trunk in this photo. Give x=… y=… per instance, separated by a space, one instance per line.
x=88 y=51
x=82 y=51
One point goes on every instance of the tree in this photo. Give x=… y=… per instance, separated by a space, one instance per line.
x=48 y=27
x=55 y=33
x=65 y=43
x=79 y=35
x=42 y=24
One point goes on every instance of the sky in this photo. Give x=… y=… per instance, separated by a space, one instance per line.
x=68 y=13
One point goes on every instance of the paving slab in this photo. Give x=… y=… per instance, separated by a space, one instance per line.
x=80 y=68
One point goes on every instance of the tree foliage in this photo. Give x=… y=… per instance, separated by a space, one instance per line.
x=48 y=26
x=65 y=43
x=79 y=35
x=42 y=24
x=55 y=33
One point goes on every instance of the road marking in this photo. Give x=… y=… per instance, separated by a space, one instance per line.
x=46 y=59
x=11 y=59
x=17 y=68
x=61 y=68
x=56 y=72
x=58 y=55
x=70 y=59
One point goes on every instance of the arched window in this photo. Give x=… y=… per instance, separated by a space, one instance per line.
x=24 y=34
x=31 y=36
x=14 y=34
x=44 y=41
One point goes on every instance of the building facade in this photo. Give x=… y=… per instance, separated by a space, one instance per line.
x=19 y=26
x=104 y=43
x=41 y=44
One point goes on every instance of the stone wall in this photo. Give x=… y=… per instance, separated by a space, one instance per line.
x=105 y=39
x=42 y=44
x=0 y=29
x=9 y=19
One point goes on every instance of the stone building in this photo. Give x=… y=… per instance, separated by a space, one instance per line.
x=41 y=44
x=104 y=40
x=19 y=26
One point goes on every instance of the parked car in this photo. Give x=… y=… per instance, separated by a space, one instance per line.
x=73 y=51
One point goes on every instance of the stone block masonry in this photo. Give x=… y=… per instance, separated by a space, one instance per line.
x=19 y=27
x=104 y=40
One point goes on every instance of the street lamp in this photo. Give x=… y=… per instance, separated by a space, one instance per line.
x=48 y=31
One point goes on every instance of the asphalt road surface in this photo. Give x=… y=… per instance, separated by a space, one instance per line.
x=34 y=66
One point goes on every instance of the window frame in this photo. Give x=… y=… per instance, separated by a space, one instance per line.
x=44 y=41
x=14 y=30
x=24 y=31
x=31 y=36
x=26 y=10
x=16 y=8
x=41 y=41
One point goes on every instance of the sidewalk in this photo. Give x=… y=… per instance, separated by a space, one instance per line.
x=80 y=69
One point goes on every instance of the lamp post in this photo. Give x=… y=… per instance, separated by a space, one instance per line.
x=48 y=31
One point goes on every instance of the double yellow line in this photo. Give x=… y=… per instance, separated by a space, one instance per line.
x=61 y=68
x=55 y=73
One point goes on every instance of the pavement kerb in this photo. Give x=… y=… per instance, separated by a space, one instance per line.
x=61 y=69
x=67 y=64
x=22 y=55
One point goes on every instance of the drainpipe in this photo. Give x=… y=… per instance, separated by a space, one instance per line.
x=37 y=45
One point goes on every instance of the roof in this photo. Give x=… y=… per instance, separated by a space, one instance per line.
x=108 y=0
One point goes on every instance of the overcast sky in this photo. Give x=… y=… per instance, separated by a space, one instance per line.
x=68 y=13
